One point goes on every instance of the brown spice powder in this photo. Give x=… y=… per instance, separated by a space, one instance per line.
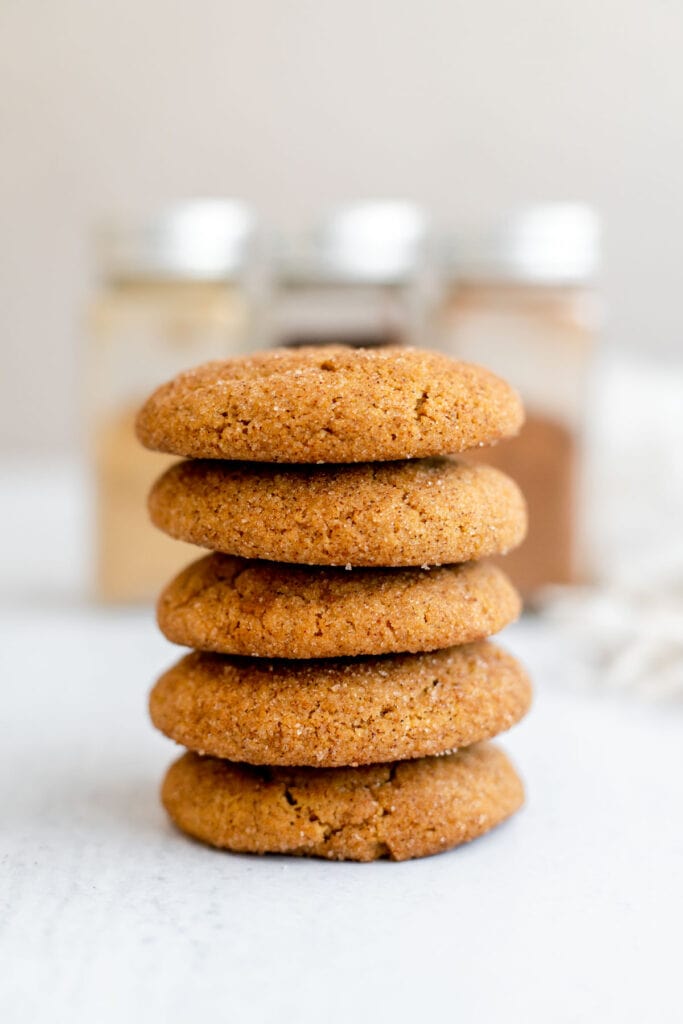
x=542 y=460
x=133 y=559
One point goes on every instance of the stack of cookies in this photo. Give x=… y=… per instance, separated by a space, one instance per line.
x=341 y=690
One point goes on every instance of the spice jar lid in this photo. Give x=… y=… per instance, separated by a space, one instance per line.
x=546 y=243
x=200 y=239
x=376 y=241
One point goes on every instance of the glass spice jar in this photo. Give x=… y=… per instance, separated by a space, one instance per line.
x=522 y=301
x=175 y=292
x=356 y=280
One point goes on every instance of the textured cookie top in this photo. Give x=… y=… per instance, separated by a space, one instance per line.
x=427 y=511
x=340 y=711
x=329 y=404
x=409 y=809
x=267 y=609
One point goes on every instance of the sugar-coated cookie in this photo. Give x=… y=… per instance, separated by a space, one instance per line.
x=269 y=609
x=427 y=511
x=329 y=404
x=400 y=810
x=340 y=711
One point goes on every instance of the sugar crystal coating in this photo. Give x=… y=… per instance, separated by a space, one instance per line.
x=396 y=810
x=339 y=711
x=330 y=404
x=269 y=609
x=433 y=511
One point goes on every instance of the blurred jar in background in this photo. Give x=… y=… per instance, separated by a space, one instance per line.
x=356 y=280
x=174 y=292
x=522 y=302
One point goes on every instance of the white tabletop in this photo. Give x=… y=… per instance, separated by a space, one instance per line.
x=569 y=912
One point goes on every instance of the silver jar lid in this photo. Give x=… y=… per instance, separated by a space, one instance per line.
x=376 y=241
x=546 y=243
x=199 y=239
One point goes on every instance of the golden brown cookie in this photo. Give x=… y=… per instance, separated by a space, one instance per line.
x=329 y=404
x=267 y=609
x=424 y=512
x=340 y=711
x=401 y=810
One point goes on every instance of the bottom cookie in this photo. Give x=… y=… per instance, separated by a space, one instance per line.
x=400 y=810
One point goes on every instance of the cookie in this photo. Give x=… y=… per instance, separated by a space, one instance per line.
x=401 y=810
x=340 y=711
x=424 y=512
x=267 y=609
x=329 y=404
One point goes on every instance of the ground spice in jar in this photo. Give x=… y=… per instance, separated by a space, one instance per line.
x=174 y=292
x=542 y=459
x=356 y=279
x=131 y=554
x=519 y=297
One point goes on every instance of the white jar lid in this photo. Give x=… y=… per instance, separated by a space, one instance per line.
x=546 y=243
x=375 y=241
x=200 y=239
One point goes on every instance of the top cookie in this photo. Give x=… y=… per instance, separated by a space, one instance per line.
x=330 y=404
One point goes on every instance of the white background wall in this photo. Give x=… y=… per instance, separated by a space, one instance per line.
x=294 y=104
